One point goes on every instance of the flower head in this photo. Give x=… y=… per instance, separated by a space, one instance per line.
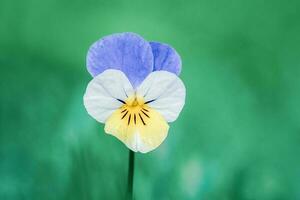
x=135 y=89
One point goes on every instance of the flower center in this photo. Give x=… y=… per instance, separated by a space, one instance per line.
x=135 y=110
x=134 y=101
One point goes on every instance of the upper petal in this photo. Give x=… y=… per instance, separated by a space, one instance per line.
x=127 y=52
x=105 y=93
x=165 y=58
x=164 y=92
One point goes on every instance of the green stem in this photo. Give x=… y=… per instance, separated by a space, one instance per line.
x=130 y=175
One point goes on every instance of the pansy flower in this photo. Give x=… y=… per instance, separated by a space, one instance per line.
x=135 y=89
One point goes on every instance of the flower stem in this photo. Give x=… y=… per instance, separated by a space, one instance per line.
x=130 y=175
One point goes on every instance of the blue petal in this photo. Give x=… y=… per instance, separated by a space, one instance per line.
x=165 y=58
x=127 y=52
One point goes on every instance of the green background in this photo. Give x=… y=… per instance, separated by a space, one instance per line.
x=238 y=136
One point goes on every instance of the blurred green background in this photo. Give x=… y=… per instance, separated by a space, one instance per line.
x=238 y=136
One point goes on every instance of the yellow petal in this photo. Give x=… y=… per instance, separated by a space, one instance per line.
x=138 y=126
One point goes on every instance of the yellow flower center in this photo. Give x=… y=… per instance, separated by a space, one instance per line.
x=135 y=110
x=135 y=100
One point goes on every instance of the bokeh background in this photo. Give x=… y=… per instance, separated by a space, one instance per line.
x=237 y=138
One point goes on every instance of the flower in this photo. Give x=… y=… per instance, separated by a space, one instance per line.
x=135 y=89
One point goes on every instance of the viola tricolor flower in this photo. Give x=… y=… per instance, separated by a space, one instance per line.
x=135 y=89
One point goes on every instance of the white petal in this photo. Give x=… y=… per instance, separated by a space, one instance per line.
x=102 y=94
x=166 y=93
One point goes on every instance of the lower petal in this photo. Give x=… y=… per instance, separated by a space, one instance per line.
x=141 y=131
